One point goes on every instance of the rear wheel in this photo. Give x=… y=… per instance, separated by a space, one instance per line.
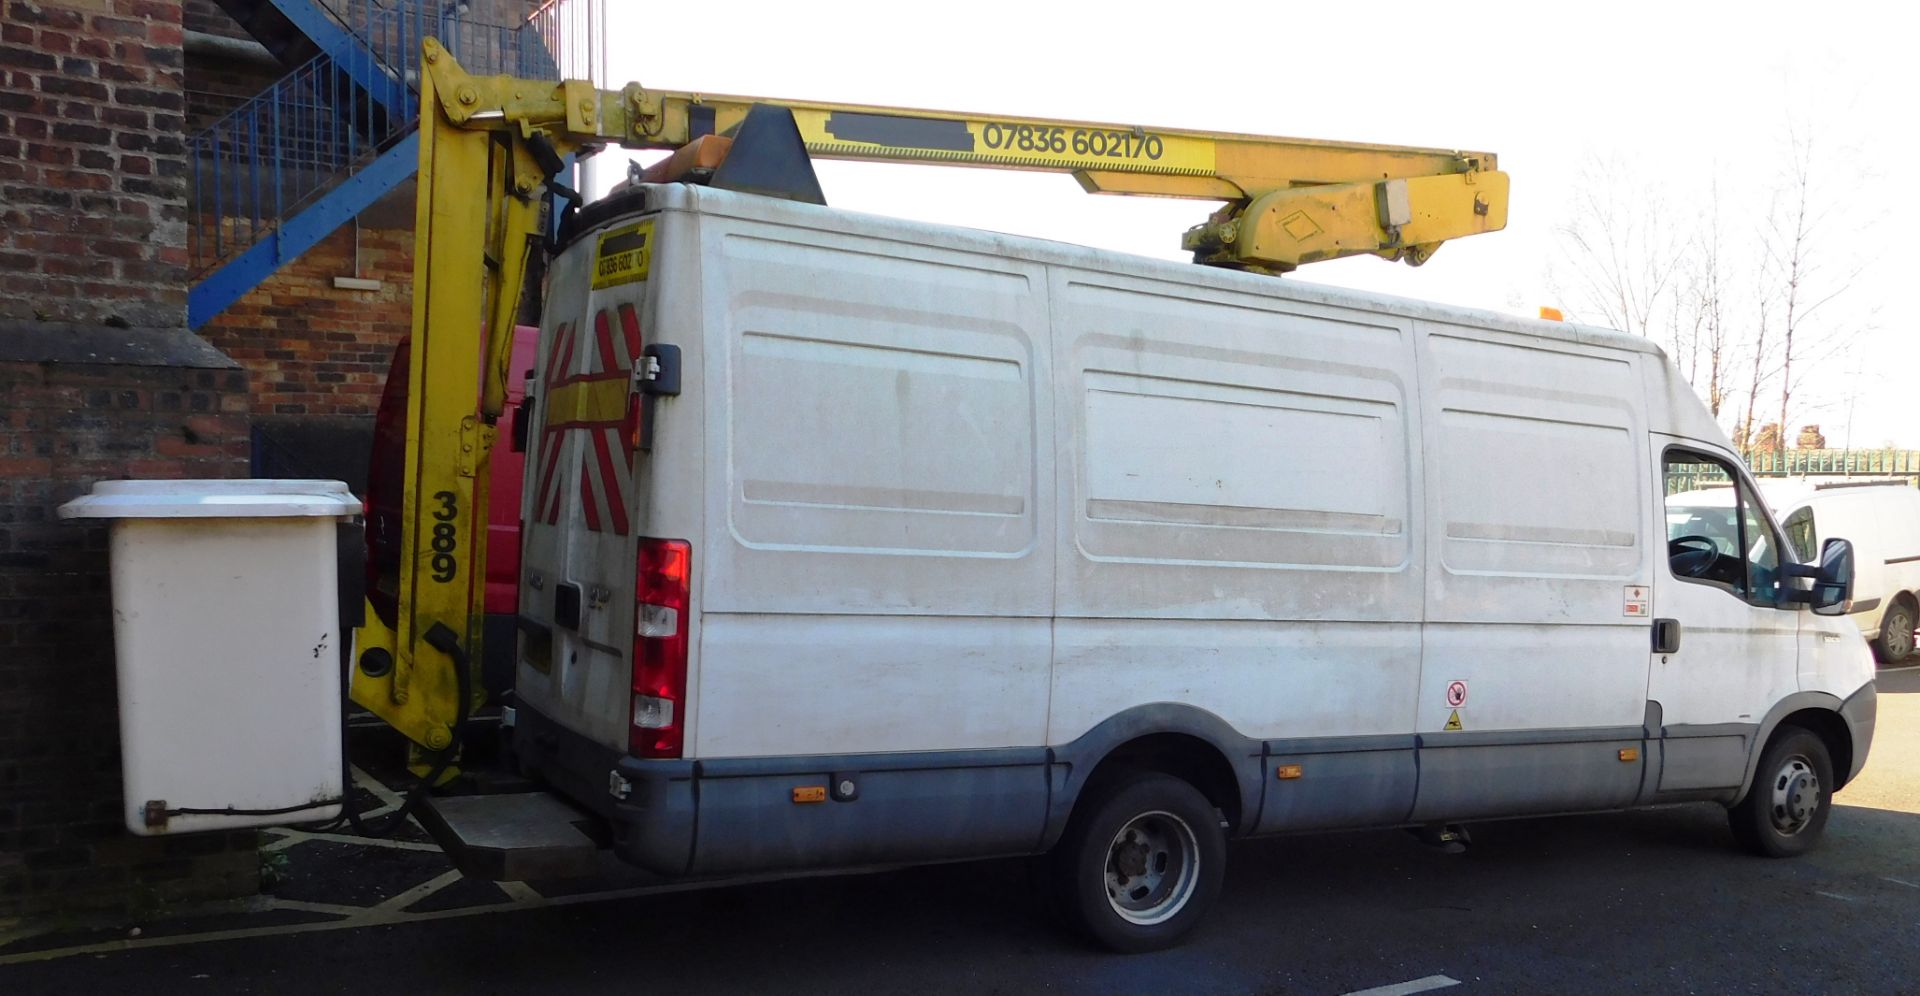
x=1786 y=808
x=1141 y=860
x=1895 y=642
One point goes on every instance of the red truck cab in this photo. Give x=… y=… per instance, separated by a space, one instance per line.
x=384 y=474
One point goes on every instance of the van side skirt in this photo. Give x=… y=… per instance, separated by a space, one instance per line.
x=734 y=815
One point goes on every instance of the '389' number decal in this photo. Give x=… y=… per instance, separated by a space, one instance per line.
x=444 y=537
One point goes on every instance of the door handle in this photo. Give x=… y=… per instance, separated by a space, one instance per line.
x=1666 y=636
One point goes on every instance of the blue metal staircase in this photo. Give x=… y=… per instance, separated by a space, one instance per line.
x=337 y=133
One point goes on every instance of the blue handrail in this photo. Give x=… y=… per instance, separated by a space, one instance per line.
x=275 y=154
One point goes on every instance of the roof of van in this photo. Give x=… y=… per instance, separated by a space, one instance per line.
x=1807 y=489
x=1782 y=495
x=707 y=200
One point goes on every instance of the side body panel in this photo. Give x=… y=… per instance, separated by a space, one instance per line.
x=876 y=566
x=1238 y=497
x=1537 y=540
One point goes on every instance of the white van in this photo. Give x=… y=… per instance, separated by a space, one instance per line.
x=912 y=543
x=1882 y=518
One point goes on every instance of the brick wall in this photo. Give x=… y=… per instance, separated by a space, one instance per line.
x=84 y=404
x=92 y=165
x=312 y=348
x=98 y=379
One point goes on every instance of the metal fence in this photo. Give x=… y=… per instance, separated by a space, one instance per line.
x=279 y=151
x=1834 y=463
x=573 y=35
x=274 y=153
x=1812 y=464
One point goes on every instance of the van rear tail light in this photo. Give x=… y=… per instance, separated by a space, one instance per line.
x=662 y=592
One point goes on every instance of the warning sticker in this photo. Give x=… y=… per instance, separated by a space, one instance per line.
x=1636 y=601
x=623 y=255
x=1453 y=722
x=1456 y=693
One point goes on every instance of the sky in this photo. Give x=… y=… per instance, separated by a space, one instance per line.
x=1661 y=100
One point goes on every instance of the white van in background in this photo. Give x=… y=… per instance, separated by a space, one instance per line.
x=916 y=543
x=1882 y=519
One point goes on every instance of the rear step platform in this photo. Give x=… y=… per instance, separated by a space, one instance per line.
x=515 y=837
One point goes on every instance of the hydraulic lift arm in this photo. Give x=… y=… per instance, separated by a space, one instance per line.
x=489 y=147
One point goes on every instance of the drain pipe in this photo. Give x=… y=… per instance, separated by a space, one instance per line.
x=244 y=51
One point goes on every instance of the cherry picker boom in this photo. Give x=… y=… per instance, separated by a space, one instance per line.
x=490 y=148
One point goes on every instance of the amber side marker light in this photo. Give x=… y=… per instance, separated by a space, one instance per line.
x=1629 y=753
x=809 y=793
x=1287 y=772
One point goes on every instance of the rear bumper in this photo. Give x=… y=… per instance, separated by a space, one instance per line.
x=652 y=827
x=1860 y=711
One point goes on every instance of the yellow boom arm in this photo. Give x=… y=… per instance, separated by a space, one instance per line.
x=486 y=147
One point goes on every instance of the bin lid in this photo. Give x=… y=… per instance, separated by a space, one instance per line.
x=212 y=499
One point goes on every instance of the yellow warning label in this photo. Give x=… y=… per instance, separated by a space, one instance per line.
x=1453 y=722
x=623 y=255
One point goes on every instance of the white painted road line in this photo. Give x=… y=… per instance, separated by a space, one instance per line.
x=373 y=916
x=378 y=789
x=520 y=892
x=1899 y=881
x=330 y=909
x=1427 y=984
x=301 y=836
x=421 y=891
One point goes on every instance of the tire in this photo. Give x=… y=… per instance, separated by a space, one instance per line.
x=1895 y=642
x=1140 y=863
x=1787 y=805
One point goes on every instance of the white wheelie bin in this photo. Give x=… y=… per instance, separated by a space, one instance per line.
x=226 y=628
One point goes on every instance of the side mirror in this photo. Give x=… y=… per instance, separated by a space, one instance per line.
x=1833 y=585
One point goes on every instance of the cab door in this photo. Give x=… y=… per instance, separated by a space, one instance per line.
x=1726 y=640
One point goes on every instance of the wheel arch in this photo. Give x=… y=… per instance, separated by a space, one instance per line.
x=1173 y=738
x=1817 y=712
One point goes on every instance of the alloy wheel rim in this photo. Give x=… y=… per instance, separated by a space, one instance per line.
x=1899 y=639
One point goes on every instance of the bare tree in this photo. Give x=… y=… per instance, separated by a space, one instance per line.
x=1706 y=297
x=1796 y=254
x=1622 y=250
x=1743 y=311
x=1745 y=436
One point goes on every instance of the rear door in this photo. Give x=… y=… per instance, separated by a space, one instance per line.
x=581 y=507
